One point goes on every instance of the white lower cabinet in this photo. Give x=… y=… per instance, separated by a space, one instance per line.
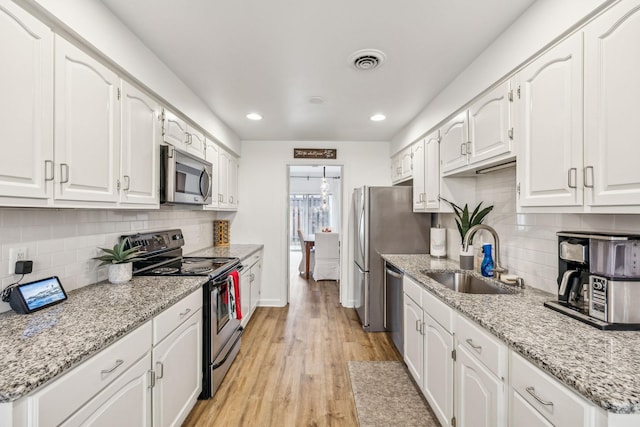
x=438 y=369
x=250 y=281
x=479 y=396
x=413 y=342
x=150 y=377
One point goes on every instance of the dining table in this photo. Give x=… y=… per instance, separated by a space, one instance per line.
x=309 y=242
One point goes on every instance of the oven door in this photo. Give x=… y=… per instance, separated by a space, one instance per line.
x=222 y=325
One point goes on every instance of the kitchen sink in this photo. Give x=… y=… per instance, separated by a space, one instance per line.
x=467 y=283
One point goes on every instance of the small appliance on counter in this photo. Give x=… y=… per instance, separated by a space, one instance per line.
x=599 y=279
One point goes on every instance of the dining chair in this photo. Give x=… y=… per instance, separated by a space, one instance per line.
x=302 y=266
x=327 y=254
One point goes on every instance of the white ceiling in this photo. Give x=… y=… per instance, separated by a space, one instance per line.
x=271 y=56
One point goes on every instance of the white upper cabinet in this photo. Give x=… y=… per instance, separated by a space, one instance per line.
x=196 y=143
x=612 y=91
x=549 y=131
x=174 y=130
x=26 y=109
x=233 y=182
x=141 y=133
x=87 y=126
x=490 y=129
x=401 y=166
x=419 y=165
x=454 y=147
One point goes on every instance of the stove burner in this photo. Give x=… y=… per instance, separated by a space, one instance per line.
x=165 y=270
x=197 y=270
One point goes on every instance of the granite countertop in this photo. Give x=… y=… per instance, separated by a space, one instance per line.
x=238 y=251
x=602 y=366
x=37 y=347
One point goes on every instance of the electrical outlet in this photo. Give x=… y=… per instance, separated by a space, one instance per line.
x=16 y=254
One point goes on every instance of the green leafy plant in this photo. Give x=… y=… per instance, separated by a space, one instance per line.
x=466 y=220
x=119 y=255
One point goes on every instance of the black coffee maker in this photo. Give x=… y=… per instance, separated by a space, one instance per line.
x=573 y=271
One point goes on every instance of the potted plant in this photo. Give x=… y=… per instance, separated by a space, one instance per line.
x=119 y=261
x=466 y=220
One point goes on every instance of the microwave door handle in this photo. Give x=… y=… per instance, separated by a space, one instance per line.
x=205 y=193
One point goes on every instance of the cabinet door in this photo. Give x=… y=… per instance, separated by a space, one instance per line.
x=87 y=131
x=453 y=143
x=26 y=110
x=177 y=363
x=233 y=182
x=406 y=164
x=480 y=397
x=126 y=402
x=413 y=340
x=490 y=124
x=174 y=130
x=223 y=179
x=419 y=193
x=139 y=173
x=196 y=142
x=612 y=66
x=438 y=369
x=432 y=171
x=396 y=168
x=549 y=132
x=245 y=295
x=211 y=155
x=256 y=282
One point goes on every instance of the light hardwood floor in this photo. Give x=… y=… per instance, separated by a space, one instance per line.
x=292 y=366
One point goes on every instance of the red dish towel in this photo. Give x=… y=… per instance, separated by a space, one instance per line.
x=235 y=277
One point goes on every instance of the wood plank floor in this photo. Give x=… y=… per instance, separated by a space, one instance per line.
x=292 y=366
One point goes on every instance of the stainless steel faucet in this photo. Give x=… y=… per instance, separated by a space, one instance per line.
x=468 y=238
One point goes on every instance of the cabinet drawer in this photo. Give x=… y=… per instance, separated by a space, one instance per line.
x=553 y=400
x=64 y=396
x=412 y=289
x=252 y=260
x=172 y=317
x=441 y=313
x=484 y=346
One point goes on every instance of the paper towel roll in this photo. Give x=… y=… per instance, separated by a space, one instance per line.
x=438 y=242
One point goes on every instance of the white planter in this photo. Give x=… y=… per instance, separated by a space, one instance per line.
x=466 y=258
x=120 y=273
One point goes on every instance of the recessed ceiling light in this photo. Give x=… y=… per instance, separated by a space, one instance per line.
x=377 y=117
x=317 y=100
x=254 y=116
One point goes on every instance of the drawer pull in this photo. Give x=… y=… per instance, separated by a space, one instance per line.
x=475 y=347
x=532 y=392
x=184 y=313
x=108 y=371
x=160 y=369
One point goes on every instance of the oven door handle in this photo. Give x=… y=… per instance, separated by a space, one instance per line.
x=216 y=365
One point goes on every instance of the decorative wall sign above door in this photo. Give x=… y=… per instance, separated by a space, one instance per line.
x=315 y=153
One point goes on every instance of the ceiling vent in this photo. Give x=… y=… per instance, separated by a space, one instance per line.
x=366 y=59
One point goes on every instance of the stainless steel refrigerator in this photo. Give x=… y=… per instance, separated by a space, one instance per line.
x=384 y=222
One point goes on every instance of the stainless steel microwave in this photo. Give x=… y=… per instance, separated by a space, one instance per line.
x=184 y=178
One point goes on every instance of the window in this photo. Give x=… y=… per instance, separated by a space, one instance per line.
x=306 y=214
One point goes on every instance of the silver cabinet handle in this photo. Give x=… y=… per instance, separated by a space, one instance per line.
x=160 y=370
x=108 y=371
x=230 y=199
x=128 y=180
x=468 y=144
x=475 y=347
x=48 y=170
x=64 y=171
x=188 y=135
x=184 y=313
x=532 y=392
x=418 y=325
x=463 y=149
x=422 y=329
x=572 y=176
x=586 y=176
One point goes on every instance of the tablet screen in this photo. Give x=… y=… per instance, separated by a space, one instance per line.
x=41 y=293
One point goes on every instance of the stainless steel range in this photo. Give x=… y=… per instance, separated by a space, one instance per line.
x=162 y=256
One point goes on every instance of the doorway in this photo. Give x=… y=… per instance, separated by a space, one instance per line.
x=314 y=205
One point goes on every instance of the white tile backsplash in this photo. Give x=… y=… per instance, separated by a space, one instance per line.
x=61 y=242
x=528 y=241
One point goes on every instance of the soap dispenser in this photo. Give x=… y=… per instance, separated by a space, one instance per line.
x=486 y=269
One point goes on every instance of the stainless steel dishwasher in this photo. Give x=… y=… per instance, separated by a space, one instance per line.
x=393 y=305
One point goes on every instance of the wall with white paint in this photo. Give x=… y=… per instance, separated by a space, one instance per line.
x=263 y=210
